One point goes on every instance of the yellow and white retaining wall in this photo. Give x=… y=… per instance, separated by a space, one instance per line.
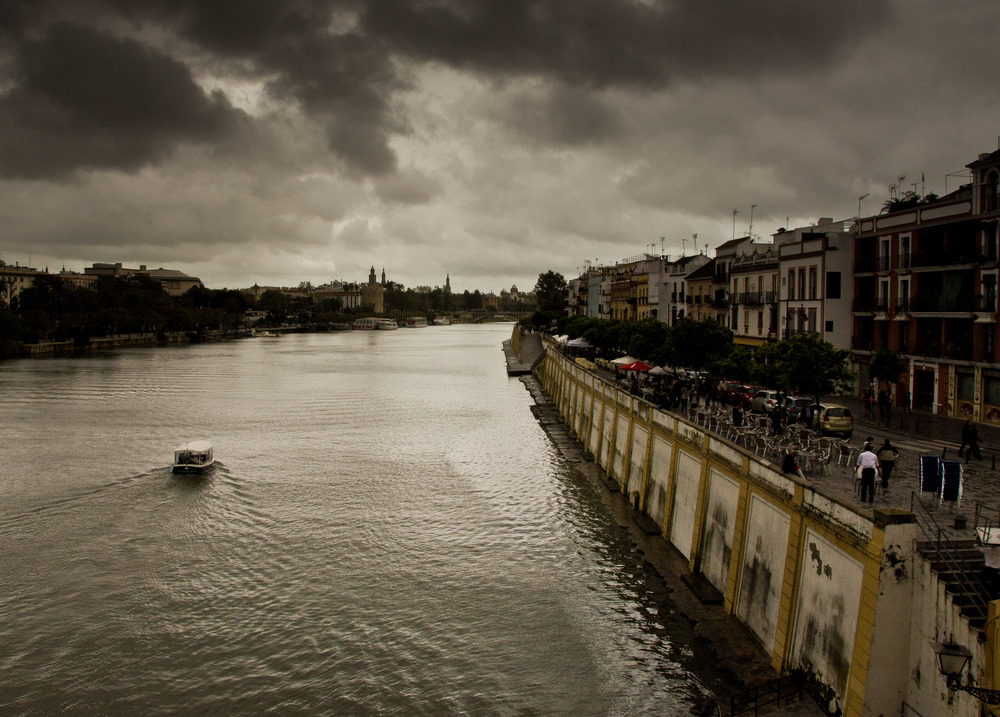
x=825 y=588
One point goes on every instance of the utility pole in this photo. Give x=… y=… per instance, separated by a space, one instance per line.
x=859 y=203
x=750 y=230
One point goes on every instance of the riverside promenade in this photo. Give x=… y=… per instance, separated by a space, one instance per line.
x=914 y=434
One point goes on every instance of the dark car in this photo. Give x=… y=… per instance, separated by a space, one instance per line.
x=794 y=405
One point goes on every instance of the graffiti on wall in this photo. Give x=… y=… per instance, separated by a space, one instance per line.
x=763 y=570
x=827 y=613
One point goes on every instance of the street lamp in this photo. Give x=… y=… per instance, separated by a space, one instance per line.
x=952 y=659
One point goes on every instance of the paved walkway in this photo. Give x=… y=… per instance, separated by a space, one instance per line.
x=915 y=434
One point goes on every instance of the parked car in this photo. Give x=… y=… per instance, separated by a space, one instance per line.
x=794 y=405
x=764 y=401
x=743 y=394
x=834 y=419
x=727 y=391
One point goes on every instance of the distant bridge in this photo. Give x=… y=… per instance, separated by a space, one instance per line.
x=480 y=315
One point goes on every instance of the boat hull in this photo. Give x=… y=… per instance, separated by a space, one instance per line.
x=188 y=469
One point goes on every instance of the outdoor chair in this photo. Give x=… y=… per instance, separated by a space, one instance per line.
x=823 y=461
x=846 y=455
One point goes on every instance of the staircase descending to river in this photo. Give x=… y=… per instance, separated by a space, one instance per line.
x=961 y=566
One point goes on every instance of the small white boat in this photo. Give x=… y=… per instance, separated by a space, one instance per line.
x=193 y=457
x=365 y=324
x=386 y=325
x=416 y=322
x=442 y=321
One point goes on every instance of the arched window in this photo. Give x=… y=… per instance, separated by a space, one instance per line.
x=992 y=186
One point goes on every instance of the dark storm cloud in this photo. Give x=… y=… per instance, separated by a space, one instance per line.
x=85 y=99
x=603 y=43
x=563 y=117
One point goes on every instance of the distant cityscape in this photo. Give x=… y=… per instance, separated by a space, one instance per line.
x=351 y=295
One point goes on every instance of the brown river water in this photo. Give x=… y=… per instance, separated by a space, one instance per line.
x=388 y=531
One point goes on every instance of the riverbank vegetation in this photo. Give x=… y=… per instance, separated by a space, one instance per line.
x=53 y=310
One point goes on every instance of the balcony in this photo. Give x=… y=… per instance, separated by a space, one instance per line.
x=942 y=304
x=751 y=298
x=788 y=333
x=926 y=259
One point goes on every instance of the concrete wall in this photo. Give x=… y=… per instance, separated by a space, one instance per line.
x=823 y=588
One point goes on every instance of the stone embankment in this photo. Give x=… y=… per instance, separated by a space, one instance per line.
x=817 y=581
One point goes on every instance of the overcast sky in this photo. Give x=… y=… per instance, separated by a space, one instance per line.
x=282 y=141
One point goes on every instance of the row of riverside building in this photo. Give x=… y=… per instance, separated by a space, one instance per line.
x=920 y=279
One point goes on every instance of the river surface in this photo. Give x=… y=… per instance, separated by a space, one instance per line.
x=388 y=531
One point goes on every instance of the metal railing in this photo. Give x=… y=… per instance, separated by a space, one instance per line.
x=783 y=690
x=965 y=581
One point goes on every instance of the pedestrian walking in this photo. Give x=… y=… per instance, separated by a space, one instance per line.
x=887 y=456
x=737 y=416
x=883 y=402
x=868 y=464
x=906 y=403
x=973 y=451
x=777 y=427
x=966 y=437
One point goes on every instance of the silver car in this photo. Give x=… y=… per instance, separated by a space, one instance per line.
x=764 y=401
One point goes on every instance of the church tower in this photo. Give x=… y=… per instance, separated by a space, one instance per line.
x=447 y=283
x=383 y=276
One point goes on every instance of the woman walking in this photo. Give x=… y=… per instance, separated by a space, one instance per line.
x=887 y=456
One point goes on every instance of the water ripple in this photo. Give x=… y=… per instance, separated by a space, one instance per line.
x=388 y=531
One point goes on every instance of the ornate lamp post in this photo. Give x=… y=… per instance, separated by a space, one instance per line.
x=952 y=659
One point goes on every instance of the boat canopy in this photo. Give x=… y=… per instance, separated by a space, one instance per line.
x=194 y=447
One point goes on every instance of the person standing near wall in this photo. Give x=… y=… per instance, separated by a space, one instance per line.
x=868 y=463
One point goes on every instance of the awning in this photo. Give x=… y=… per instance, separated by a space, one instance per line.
x=636 y=366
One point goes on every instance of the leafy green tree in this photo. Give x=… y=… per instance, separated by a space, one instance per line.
x=550 y=292
x=650 y=341
x=699 y=344
x=739 y=365
x=811 y=365
x=886 y=365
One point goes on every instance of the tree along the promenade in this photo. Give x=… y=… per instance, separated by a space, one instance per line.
x=699 y=344
x=650 y=339
x=550 y=292
x=808 y=364
x=886 y=365
x=739 y=365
